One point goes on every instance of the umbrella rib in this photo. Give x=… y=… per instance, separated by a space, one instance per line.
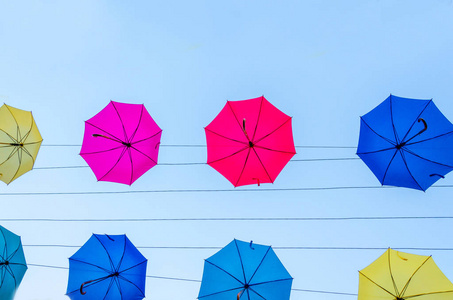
x=225 y=272
x=416 y=119
x=388 y=166
x=9 y=135
x=115 y=138
x=90 y=264
x=287 y=120
x=121 y=121
x=239 y=123
x=259 y=159
x=233 y=140
x=385 y=290
x=216 y=293
x=259 y=265
x=377 y=151
x=258 y=294
x=112 y=279
x=125 y=270
x=429 y=293
x=19 y=156
x=269 y=149
x=242 y=171
x=258 y=119
x=119 y=158
x=431 y=161
x=112 y=265
x=29 y=131
x=138 y=125
x=104 y=151
x=410 y=173
x=228 y=156
x=144 y=155
x=382 y=137
x=240 y=259
x=15 y=120
x=8 y=269
x=413 y=274
x=391 y=275
x=393 y=124
x=142 y=140
x=127 y=280
x=271 y=281
x=122 y=256
x=431 y=138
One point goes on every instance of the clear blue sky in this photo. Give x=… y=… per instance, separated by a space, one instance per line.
x=325 y=63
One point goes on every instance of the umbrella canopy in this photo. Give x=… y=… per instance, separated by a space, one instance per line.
x=245 y=271
x=406 y=142
x=19 y=142
x=121 y=142
x=12 y=263
x=107 y=267
x=250 y=141
x=397 y=276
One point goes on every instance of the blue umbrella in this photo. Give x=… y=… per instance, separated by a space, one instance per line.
x=107 y=267
x=406 y=142
x=245 y=271
x=12 y=263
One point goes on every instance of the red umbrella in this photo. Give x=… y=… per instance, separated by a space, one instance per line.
x=121 y=142
x=250 y=141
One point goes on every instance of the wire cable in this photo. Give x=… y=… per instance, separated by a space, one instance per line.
x=204 y=146
x=198 y=281
x=273 y=247
x=276 y=219
x=203 y=163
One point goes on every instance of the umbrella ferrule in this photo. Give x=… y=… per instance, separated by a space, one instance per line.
x=4 y=263
x=17 y=144
x=127 y=144
x=399 y=146
x=251 y=144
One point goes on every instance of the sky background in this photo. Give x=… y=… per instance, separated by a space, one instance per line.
x=324 y=63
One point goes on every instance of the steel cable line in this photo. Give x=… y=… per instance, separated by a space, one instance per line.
x=204 y=146
x=237 y=190
x=226 y=219
x=273 y=247
x=203 y=163
x=199 y=281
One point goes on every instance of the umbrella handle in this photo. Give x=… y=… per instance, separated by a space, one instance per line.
x=424 y=123
x=240 y=294
x=157 y=145
x=257 y=179
x=81 y=286
x=431 y=175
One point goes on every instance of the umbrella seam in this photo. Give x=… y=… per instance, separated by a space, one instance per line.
x=385 y=290
x=418 y=117
x=410 y=173
x=413 y=274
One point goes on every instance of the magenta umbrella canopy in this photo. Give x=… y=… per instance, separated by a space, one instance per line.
x=121 y=142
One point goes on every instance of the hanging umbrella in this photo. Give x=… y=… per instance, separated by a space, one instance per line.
x=107 y=267
x=19 y=142
x=250 y=141
x=12 y=263
x=406 y=142
x=121 y=142
x=398 y=276
x=245 y=271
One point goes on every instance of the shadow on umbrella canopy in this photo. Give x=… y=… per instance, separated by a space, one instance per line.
x=397 y=275
x=107 y=267
x=244 y=270
x=20 y=141
x=406 y=143
x=12 y=263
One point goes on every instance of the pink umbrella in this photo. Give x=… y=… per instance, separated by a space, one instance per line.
x=250 y=141
x=121 y=142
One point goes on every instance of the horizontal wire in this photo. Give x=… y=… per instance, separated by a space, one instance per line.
x=273 y=247
x=203 y=163
x=204 y=191
x=204 y=146
x=199 y=281
x=228 y=219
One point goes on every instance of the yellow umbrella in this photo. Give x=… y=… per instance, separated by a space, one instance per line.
x=398 y=275
x=19 y=142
